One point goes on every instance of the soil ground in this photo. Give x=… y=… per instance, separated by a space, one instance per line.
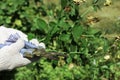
x=109 y=19
x=109 y=16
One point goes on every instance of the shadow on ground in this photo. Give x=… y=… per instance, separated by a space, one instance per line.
x=7 y=75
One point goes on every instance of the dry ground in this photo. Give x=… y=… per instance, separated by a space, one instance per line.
x=109 y=16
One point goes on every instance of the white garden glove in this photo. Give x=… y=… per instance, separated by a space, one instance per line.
x=6 y=32
x=10 y=55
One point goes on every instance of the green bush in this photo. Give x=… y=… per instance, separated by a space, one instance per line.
x=61 y=27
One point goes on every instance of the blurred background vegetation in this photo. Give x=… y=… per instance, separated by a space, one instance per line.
x=88 y=31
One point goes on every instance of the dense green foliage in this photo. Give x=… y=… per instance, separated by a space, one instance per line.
x=61 y=27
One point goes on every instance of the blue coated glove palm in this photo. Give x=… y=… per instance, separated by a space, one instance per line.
x=13 y=48
x=27 y=50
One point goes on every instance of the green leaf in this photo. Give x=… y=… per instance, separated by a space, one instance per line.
x=96 y=7
x=31 y=36
x=64 y=25
x=52 y=31
x=72 y=13
x=41 y=25
x=18 y=22
x=95 y=1
x=105 y=45
x=8 y=20
x=77 y=32
x=54 y=28
x=93 y=31
x=65 y=37
x=63 y=3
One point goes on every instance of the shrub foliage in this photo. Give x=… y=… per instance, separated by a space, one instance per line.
x=90 y=56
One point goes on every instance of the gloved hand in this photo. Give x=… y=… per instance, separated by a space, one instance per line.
x=15 y=49
x=11 y=58
x=10 y=55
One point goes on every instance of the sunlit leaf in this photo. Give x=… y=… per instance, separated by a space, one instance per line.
x=41 y=25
